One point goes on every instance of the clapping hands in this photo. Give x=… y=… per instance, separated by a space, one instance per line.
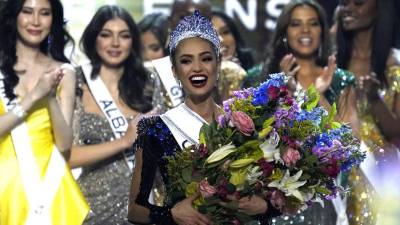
x=49 y=81
x=324 y=80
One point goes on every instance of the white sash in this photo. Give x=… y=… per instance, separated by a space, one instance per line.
x=102 y=96
x=184 y=124
x=40 y=194
x=163 y=67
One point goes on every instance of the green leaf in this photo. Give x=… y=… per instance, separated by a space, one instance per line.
x=202 y=209
x=322 y=190
x=313 y=98
x=332 y=113
x=187 y=174
x=268 y=122
x=241 y=163
x=335 y=125
x=231 y=188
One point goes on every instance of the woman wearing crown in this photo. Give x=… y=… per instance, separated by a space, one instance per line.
x=194 y=48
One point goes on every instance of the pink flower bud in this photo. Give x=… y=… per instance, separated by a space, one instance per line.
x=206 y=189
x=291 y=156
x=243 y=123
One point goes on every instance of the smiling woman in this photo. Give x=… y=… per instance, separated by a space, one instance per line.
x=36 y=106
x=114 y=90
x=195 y=49
x=300 y=48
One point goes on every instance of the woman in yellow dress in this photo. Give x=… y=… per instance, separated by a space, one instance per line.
x=36 y=105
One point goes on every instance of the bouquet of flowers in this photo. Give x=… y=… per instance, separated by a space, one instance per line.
x=267 y=143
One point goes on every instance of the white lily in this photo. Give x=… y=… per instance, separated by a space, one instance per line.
x=253 y=174
x=269 y=147
x=289 y=185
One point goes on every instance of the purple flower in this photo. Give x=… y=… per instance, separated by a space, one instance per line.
x=222 y=120
x=243 y=94
x=227 y=106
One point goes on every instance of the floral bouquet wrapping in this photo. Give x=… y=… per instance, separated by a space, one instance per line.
x=287 y=150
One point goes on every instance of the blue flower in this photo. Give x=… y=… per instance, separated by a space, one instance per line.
x=260 y=95
x=314 y=116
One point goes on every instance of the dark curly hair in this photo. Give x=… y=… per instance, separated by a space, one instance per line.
x=8 y=39
x=133 y=86
x=278 y=48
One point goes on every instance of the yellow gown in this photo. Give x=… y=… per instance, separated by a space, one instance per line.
x=69 y=206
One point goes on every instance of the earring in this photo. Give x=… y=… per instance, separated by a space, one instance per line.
x=179 y=83
x=320 y=52
x=49 y=41
x=284 y=40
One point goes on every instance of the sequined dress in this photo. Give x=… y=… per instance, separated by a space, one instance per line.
x=156 y=142
x=316 y=214
x=365 y=204
x=104 y=184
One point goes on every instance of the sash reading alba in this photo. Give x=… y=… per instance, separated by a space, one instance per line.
x=163 y=67
x=40 y=194
x=184 y=124
x=102 y=96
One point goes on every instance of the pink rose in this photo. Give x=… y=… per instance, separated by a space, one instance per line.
x=243 y=122
x=206 y=189
x=291 y=156
x=278 y=200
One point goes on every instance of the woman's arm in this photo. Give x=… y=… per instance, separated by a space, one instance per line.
x=149 y=150
x=46 y=84
x=139 y=209
x=10 y=120
x=61 y=109
x=386 y=118
x=89 y=154
x=347 y=108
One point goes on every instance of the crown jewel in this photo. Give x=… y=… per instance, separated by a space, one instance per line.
x=194 y=25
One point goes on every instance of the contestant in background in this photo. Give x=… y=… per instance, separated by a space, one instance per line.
x=236 y=58
x=154 y=33
x=36 y=106
x=114 y=90
x=365 y=40
x=301 y=47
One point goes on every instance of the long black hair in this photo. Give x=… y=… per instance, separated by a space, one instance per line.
x=157 y=23
x=134 y=79
x=382 y=41
x=53 y=45
x=244 y=54
x=278 y=48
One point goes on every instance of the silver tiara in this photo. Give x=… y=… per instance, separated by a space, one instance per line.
x=194 y=25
